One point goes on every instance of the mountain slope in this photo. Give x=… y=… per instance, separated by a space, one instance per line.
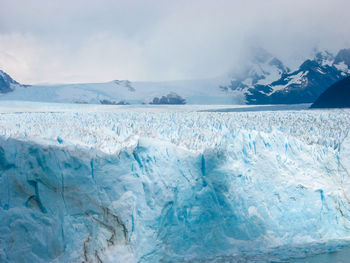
x=336 y=96
x=7 y=84
x=303 y=85
x=262 y=69
x=263 y=80
x=204 y=91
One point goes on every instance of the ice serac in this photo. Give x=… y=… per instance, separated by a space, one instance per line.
x=171 y=186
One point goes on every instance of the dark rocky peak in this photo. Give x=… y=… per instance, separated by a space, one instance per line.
x=324 y=58
x=171 y=98
x=343 y=56
x=4 y=76
x=309 y=65
x=6 y=82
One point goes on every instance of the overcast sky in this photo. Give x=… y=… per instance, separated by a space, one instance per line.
x=48 y=41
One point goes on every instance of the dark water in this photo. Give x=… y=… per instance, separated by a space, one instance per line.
x=341 y=256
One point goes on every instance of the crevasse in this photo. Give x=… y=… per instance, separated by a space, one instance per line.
x=132 y=187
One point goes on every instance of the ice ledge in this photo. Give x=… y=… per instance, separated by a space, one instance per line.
x=258 y=191
x=110 y=132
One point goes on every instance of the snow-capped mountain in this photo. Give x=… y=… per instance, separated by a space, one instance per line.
x=7 y=84
x=342 y=60
x=303 y=85
x=261 y=69
x=263 y=80
x=204 y=91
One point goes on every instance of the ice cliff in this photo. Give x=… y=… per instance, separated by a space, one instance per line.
x=132 y=186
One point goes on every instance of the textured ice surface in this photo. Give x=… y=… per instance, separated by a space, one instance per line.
x=171 y=184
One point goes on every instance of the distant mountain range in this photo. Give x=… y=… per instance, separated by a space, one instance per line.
x=264 y=80
x=123 y=92
x=336 y=96
x=268 y=81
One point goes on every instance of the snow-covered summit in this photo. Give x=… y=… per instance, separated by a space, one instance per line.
x=302 y=85
x=265 y=68
x=261 y=69
x=342 y=61
x=262 y=79
x=205 y=91
x=324 y=58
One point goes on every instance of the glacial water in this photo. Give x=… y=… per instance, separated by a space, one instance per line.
x=340 y=256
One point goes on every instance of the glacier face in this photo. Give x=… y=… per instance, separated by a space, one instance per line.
x=171 y=185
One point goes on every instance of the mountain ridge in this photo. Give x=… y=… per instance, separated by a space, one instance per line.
x=302 y=85
x=7 y=84
x=264 y=80
x=336 y=96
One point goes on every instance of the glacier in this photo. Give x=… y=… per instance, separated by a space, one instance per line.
x=171 y=184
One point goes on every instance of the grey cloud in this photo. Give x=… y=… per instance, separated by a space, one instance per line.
x=91 y=40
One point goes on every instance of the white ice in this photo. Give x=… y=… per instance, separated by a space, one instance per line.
x=165 y=184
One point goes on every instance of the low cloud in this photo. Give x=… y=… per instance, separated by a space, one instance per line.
x=90 y=40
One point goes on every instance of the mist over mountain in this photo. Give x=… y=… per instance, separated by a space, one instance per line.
x=270 y=82
x=262 y=79
x=151 y=40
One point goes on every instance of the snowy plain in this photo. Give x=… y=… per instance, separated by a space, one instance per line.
x=171 y=184
x=202 y=91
